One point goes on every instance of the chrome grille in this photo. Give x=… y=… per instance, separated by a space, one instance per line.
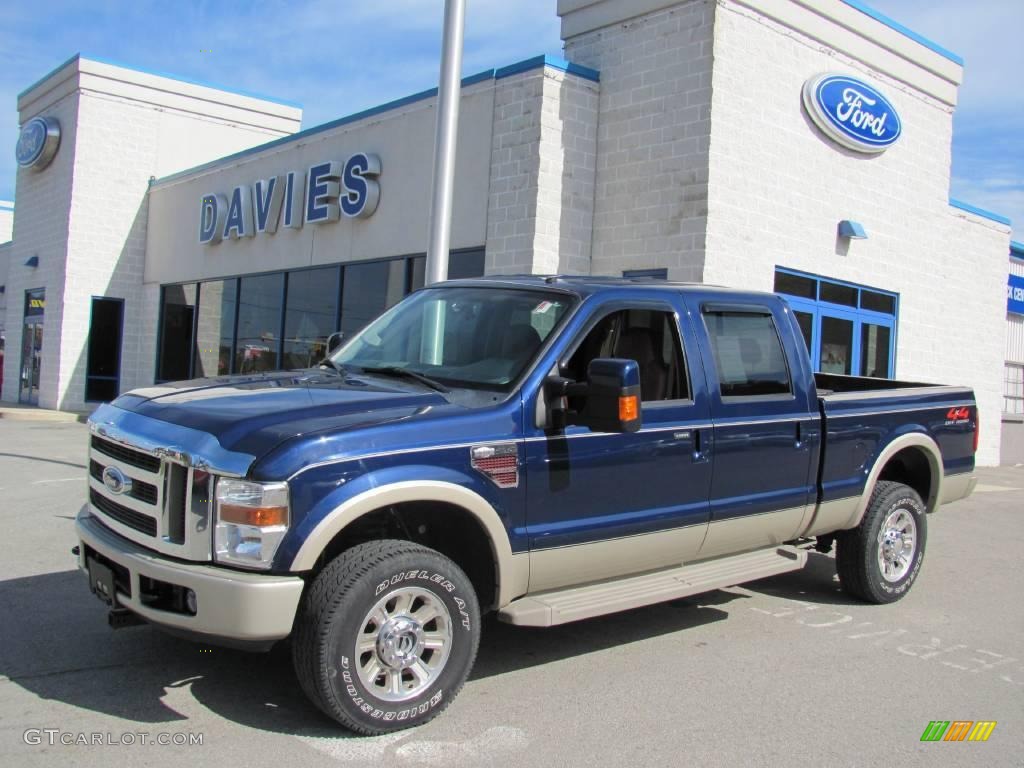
x=167 y=506
x=126 y=455
x=122 y=514
x=140 y=490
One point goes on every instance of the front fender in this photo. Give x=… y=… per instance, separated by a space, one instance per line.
x=370 y=492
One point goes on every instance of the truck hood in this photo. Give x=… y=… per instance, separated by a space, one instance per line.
x=253 y=414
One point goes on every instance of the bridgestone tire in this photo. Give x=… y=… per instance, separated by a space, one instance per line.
x=858 y=558
x=333 y=618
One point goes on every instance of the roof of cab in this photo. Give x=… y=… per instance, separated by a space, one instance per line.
x=583 y=285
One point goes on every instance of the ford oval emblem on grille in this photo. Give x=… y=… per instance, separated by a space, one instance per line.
x=115 y=481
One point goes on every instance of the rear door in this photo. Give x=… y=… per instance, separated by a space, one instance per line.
x=766 y=425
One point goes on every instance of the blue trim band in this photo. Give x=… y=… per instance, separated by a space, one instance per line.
x=979 y=211
x=1016 y=249
x=548 y=61
x=158 y=73
x=488 y=74
x=869 y=11
x=11 y=208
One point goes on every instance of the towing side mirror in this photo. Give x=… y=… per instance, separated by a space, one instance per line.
x=610 y=397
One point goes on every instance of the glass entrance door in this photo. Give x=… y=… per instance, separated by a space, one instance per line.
x=31 y=346
x=31 y=353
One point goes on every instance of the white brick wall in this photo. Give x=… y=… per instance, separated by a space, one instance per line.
x=41 y=229
x=6 y=220
x=652 y=140
x=85 y=216
x=543 y=155
x=778 y=188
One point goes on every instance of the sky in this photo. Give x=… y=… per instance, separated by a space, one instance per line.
x=336 y=57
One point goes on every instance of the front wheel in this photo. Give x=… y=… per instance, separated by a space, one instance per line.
x=386 y=636
x=879 y=560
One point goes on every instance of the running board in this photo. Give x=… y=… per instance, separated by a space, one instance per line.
x=546 y=609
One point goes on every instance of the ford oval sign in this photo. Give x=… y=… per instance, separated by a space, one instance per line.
x=38 y=142
x=851 y=112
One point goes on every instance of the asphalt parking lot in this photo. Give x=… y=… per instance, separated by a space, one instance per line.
x=782 y=671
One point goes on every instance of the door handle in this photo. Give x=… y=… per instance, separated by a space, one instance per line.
x=700 y=447
x=799 y=435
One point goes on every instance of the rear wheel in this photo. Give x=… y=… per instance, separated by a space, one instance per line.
x=880 y=559
x=386 y=637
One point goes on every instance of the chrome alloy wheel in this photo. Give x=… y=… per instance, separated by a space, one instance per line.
x=897 y=542
x=404 y=644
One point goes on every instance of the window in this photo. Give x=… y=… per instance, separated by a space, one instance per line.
x=479 y=338
x=652 y=274
x=215 y=329
x=838 y=294
x=849 y=329
x=462 y=264
x=206 y=331
x=878 y=302
x=177 y=323
x=1013 y=389
x=310 y=317
x=103 y=364
x=796 y=285
x=648 y=336
x=260 y=301
x=367 y=290
x=748 y=354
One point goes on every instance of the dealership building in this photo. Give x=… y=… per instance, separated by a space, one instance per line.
x=167 y=229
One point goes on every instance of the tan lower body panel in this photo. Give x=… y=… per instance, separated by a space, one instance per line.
x=956 y=487
x=582 y=563
x=547 y=609
x=742 y=534
x=834 y=515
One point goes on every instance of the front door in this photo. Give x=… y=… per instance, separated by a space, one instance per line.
x=602 y=505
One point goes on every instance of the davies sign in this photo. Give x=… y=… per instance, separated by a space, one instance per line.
x=323 y=193
x=851 y=112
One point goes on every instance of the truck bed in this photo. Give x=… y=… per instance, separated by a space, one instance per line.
x=829 y=383
x=861 y=416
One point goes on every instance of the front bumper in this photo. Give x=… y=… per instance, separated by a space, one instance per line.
x=231 y=606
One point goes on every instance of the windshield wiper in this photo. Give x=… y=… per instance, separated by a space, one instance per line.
x=394 y=370
x=329 y=363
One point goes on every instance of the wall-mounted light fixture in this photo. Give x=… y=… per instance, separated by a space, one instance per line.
x=32 y=262
x=853 y=230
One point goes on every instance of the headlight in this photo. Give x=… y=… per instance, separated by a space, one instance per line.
x=252 y=519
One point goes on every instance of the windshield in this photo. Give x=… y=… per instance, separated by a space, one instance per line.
x=482 y=338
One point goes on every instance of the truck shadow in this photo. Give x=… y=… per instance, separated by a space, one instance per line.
x=814 y=583
x=59 y=648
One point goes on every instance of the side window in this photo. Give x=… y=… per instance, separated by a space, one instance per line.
x=647 y=336
x=748 y=354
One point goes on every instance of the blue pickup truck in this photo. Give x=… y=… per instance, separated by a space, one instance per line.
x=546 y=448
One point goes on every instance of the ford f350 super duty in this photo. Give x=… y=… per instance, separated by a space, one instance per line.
x=547 y=448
